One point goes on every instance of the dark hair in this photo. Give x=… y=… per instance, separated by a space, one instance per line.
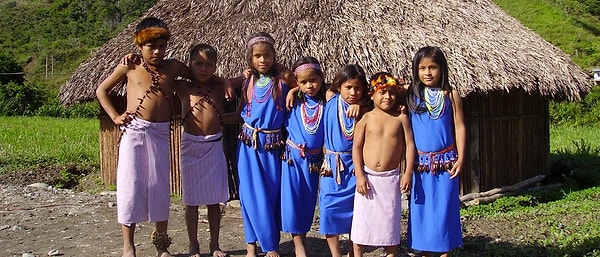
x=414 y=96
x=348 y=72
x=300 y=97
x=210 y=51
x=150 y=22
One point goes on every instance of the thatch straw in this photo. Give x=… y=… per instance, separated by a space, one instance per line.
x=487 y=49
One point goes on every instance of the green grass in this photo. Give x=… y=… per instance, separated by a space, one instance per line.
x=29 y=142
x=565 y=24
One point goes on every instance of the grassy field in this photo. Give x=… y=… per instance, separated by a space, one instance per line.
x=29 y=142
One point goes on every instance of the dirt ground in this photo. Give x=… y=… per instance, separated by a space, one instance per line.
x=38 y=220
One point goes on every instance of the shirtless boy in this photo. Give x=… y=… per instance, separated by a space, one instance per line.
x=203 y=164
x=381 y=139
x=143 y=165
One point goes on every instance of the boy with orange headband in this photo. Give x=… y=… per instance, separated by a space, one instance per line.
x=380 y=138
x=143 y=164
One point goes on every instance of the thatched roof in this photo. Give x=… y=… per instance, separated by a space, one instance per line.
x=487 y=49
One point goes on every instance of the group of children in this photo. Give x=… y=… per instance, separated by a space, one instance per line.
x=301 y=140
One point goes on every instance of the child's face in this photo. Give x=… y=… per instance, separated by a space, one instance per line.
x=429 y=72
x=153 y=52
x=262 y=57
x=351 y=90
x=385 y=98
x=203 y=67
x=309 y=81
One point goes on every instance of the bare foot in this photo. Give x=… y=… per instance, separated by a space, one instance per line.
x=194 y=249
x=272 y=254
x=164 y=254
x=251 y=250
x=218 y=253
x=129 y=251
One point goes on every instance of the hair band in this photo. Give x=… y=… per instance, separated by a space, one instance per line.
x=148 y=34
x=382 y=82
x=258 y=39
x=307 y=66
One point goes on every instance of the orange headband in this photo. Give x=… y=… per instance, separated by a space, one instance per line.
x=381 y=82
x=148 y=34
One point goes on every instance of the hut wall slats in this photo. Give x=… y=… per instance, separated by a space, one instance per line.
x=511 y=138
x=175 y=141
x=109 y=149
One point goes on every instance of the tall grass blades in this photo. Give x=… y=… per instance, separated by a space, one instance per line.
x=28 y=142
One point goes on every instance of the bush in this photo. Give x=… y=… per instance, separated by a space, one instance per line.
x=20 y=99
x=56 y=110
x=585 y=112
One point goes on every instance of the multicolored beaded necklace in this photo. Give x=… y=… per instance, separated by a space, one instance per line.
x=435 y=102
x=347 y=129
x=311 y=122
x=264 y=89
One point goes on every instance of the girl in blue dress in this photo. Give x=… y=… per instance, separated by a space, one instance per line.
x=260 y=146
x=338 y=184
x=304 y=153
x=439 y=131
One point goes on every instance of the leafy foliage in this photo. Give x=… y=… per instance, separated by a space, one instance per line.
x=20 y=99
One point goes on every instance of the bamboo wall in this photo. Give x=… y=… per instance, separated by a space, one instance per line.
x=109 y=136
x=508 y=139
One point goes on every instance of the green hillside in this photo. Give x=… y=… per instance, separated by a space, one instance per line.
x=42 y=42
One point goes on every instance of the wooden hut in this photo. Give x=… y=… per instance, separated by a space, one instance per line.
x=505 y=72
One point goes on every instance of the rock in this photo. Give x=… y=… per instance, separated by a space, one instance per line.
x=39 y=185
x=28 y=254
x=54 y=252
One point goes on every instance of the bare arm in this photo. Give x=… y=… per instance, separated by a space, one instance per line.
x=118 y=76
x=362 y=185
x=461 y=133
x=410 y=153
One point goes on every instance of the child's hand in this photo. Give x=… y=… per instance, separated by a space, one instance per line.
x=289 y=99
x=123 y=118
x=405 y=183
x=229 y=91
x=247 y=73
x=362 y=185
x=353 y=111
x=456 y=169
x=131 y=59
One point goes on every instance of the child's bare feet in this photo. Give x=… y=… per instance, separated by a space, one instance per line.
x=218 y=253
x=194 y=249
x=251 y=250
x=128 y=251
x=272 y=254
x=163 y=254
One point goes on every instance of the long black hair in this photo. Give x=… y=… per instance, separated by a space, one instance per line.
x=300 y=97
x=415 y=90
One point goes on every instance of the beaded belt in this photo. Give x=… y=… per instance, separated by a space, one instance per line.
x=315 y=156
x=437 y=161
x=276 y=142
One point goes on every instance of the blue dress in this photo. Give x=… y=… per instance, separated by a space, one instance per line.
x=259 y=164
x=300 y=167
x=434 y=221
x=336 y=197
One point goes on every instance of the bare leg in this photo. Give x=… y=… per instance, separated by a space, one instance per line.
x=299 y=248
x=128 y=243
x=357 y=249
x=161 y=228
x=446 y=254
x=333 y=241
x=350 y=246
x=214 y=224
x=251 y=250
x=272 y=254
x=191 y=223
x=390 y=251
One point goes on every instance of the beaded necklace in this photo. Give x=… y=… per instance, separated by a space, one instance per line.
x=311 y=122
x=347 y=129
x=264 y=85
x=154 y=87
x=434 y=101
x=203 y=98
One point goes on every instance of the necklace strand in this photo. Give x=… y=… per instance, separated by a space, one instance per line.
x=435 y=102
x=347 y=130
